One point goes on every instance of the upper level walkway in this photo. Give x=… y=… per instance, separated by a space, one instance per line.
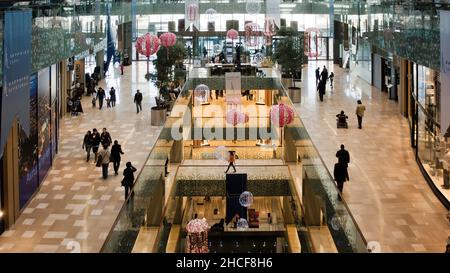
x=387 y=194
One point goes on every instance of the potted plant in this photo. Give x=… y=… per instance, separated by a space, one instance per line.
x=166 y=60
x=289 y=54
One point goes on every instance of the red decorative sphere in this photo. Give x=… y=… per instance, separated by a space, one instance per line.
x=252 y=34
x=232 y=34
x=147 y=44
x=168 y=39
x=281 y=115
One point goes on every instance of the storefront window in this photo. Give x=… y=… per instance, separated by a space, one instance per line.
x=431 y=147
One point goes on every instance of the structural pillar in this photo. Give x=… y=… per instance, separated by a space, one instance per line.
x=99 y=59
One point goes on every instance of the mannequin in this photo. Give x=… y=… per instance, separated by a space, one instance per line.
x=446 y=166
x=438 y=153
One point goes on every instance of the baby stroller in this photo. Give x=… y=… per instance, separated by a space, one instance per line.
x=341 y=120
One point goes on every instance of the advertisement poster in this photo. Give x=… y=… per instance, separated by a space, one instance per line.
x=16 y=72
x=192 y=14
x=273 y=11
x=28 y=163
x=233 y=87
x=44 y=118
x=445 y=72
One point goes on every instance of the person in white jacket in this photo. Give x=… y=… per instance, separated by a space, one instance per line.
x=103 y=158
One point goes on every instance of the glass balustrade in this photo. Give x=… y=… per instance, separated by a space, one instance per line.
x=294 y=172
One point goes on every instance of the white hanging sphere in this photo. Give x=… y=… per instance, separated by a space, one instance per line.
x=253 y=7
x=217 y=48
x=246 y=199
x=258 y=58
x=221 y=153
x=335 y=222
x=242 y=224
x=211 y=14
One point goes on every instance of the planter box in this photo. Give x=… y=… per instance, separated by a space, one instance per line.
x=295 y=93
x=158 y=116
x=287 y=82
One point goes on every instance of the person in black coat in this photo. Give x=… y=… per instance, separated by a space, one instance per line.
x=96 y=140
x=321 y=88
x=138 y=101
x=105 y=138
x=340 y=176
x=100 y=96
x=317 y=75
x=343 y=156
x=116 y=151
x=112 y=96
x=128 y=178
x=324 y=75
x=87 y=144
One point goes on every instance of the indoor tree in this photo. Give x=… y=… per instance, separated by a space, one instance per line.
x=167 y=59
x=289 y=52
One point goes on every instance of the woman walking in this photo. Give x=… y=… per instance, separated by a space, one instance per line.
x=87 y=144
x=340 y=176
x=360 y=109
x=116 y=151
x=128 y=178
x=232 y=160
x=103 y=160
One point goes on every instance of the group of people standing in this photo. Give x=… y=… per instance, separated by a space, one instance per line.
x=93 y=140
x=100 y=95
x=321 y=81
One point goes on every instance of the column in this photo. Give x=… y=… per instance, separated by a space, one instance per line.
x=99 y=59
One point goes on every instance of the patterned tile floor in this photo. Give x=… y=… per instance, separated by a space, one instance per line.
x=75 y=208
x=387 y=194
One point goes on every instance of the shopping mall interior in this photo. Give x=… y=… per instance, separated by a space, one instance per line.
x=235 y=136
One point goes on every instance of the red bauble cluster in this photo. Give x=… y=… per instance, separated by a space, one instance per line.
x=281 y=115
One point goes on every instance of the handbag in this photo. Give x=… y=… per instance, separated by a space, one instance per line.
x=99 y=161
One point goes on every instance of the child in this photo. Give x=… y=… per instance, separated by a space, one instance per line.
x=108 y=102
x=331 y=77
x=94 y=100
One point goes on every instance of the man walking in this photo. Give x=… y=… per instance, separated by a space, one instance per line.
x=112 y=96
x=105 y=138
x=100 y=95
x=324 y=74
x=343 y=156
x=128 y=178
x=138 y=100
x=360 y=113
x=116 y=151
x=317 y=75
x=321 y=88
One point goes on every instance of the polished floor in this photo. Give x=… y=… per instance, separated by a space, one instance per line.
x=387 y=194
x=75 y=208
